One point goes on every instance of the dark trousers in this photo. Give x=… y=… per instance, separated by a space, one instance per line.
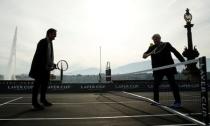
x=42 y=85
x=174 y=87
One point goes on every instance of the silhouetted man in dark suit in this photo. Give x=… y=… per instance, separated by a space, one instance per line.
x=162 y=57
x=42 y=64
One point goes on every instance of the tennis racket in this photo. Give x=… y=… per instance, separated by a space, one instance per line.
x=62 y=65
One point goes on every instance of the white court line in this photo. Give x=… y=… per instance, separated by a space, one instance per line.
x=12 y=97
x=178 y=125
x=10 y=101
x=88 y=118
x=91 y=118
x=167 y=109
x=82 y=103
x=7 y=97
x=85 y=103
x=2 y=97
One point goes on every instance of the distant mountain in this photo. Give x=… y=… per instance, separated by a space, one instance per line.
x=88 y=71
x=132 y=67
x=128 y=68
x=139 y=66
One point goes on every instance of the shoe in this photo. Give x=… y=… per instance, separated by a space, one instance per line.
x=37 y=107
x=46 y=103
x=176 y=105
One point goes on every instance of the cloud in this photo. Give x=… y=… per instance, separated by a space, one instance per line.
x=122 y=27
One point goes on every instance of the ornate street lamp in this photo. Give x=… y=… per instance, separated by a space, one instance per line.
x=190 y=52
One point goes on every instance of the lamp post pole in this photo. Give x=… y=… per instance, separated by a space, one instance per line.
x=100 y=78
x=189 y=52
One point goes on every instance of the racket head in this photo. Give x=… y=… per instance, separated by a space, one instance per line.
x=62 y=65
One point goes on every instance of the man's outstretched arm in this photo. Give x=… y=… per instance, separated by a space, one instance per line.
x=176 y=53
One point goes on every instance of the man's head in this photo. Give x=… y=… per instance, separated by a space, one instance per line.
x=156 y=38
x=51 y=34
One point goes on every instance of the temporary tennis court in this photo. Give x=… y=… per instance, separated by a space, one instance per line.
x=108 y=105
x=93 y=109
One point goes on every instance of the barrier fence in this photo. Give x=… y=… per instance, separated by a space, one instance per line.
x=120 y=85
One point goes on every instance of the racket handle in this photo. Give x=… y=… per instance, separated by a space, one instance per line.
x=54 y=66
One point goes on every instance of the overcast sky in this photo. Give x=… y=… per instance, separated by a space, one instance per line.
x=123 y=28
